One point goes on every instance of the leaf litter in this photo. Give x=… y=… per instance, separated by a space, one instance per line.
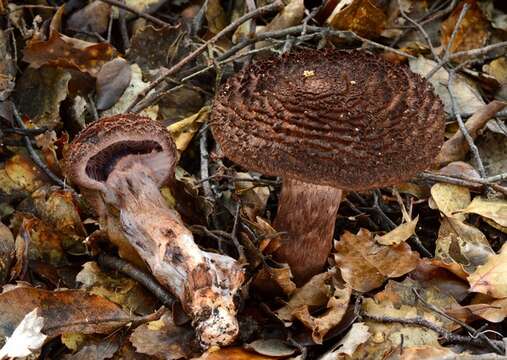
x=416 y=271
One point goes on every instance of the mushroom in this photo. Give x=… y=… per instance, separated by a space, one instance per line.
x=326 y=121
x=119 y=163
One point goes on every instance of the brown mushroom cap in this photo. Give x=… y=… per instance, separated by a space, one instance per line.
x=347 y=119
x=119 y=141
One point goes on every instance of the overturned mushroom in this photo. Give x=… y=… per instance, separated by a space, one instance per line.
x=324 y=121
x=119 y=163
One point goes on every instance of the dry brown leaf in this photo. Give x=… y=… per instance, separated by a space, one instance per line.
x=462 y=244
x=357 y=335
x=39 y=93
x=495 y=209
x=116 y=288
x=473 y=32
x=6 y=252
x=398 y=235
x=431 y=275
x=315 y=292
x=253 y=198
x=291 y=15
x=360 y=16
x=93 y=18
x=365 y=265
x=457 y=147
x=467 y=95
x=215 y=15
x=44 y=244
x=64 y=311
x=335 y=310
x=231 y=353
x=398 y=300
x=449 y=198
x=184 y=130
x=490 y=278
x=112 y=80
x=271 y=347
x=163 y=339
x=66 y=52
x=427 y=352
x=60 y=209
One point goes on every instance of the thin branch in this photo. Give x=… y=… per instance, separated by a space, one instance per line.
x=277 y=5
x=498 y=348
x=121 y=5
x=35 y=157
x=141 y=277
x=462 y=127
x=446 y=56
x=421 y=30
x=446 y=335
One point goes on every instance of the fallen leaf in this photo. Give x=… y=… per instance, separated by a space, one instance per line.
x=271 y=347
x=39 y=93
x=498 y=69
x=97 y=349
x=490 y=278
x=116 y=288
x=398 y=235
x=428 y=352
x=7 y=67
x=26 y=338
x=429 y=274
x=365 y=265
x=253 y=198
x=63 y=51
x=360 y=16
x=136 y=86
x=231 y=353
x=467 y=96
x=163 y=339
x=93 y=18
x=335 y=310
x=64 y=311
x=315 y=292
x=398 y=300
x=356 y=336
x=450 y=198
x=457 y=147
x=495 y=210
x=184 y=130
x=291 y=15
x=112 y=80
x=463 y=244
x=473 y=32
x=167 y=46
x=6 y=252
x=59 y=208
x=215 y=16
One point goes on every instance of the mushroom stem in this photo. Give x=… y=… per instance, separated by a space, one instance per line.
x=307 y=213
x=204 y=282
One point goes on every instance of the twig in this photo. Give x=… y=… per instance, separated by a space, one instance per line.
x=251 y=6
x=473 y=183
x=204 y=168
x=421 y=30
x=141 y=277
x=129 y=8
x=498 y=348
x=446 y=57
x=277 y=5
x=447 y=336
x=234 y=236
x=35 y=157
x=123 y=30
x=26 y=132
x=496 y=178
x=462 y=127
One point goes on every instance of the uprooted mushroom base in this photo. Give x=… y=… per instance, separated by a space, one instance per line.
x=205 y=283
